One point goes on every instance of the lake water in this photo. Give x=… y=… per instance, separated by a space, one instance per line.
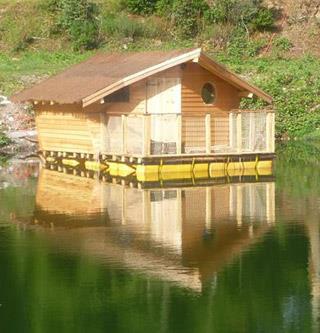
x=82 y=255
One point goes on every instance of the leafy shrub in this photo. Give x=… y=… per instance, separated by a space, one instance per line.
x=187 y=16
x=220 y=11
x=247 y=13
x=240 y=46
x=263 y=19
x=163 y=7
x=282 y=44
x=143 y=7
x=122 y=26
x=79 y=18
x=4 y=140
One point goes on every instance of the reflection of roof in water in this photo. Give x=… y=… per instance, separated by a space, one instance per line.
x=184 y=235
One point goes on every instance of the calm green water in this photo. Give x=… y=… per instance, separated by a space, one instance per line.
x=79 y=255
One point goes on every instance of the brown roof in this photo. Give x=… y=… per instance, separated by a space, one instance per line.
x=103 y=74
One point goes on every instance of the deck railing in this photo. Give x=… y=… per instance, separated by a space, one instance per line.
x=235 y=132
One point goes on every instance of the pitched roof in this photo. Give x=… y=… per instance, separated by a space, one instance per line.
x=104 y=74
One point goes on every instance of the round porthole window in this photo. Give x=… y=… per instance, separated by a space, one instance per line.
x=208 y=93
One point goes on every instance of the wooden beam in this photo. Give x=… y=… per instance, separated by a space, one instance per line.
x=208 y=207
x=239 y=207
x=146 y=135
x=103 y=132
x=270 y=202
x=179 y=134
x=231 y=130
x=239 y=132
x=124 y=133
x=270 y=132
x=208 y=133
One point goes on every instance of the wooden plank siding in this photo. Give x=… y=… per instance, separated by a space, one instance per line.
x=64 y=131
x=227 y=98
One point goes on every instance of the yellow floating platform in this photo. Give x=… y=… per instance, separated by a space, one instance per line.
x=164 y=170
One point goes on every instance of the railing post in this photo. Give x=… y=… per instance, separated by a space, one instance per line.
x=179 y=134
x=231 y=130
x=103 y=133
x=270 y=132
x=146 y=135
x=124 y=134
x=239 y=132
x=208 y=133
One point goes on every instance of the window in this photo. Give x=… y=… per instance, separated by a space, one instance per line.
x=120 y=96
x=208 y=93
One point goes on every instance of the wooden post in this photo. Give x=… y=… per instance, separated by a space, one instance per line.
x=270 y=203
x=103 y=132
x=252 y=137
x=239 y=132
x=208 y=133
x=231 y=130
x=146 y=204
x=270 y=132
x=208 y=207
x=179 y=134
x=124 y=206
x=146 y=135
x=124 y=134
x=239 y=189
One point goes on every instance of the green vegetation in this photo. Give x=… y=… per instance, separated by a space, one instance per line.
x=4 y=140
x=52 y=35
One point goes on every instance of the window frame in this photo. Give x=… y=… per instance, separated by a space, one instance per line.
x=214 y=93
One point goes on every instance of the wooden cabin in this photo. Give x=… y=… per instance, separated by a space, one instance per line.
x=149 y=109
x=180 y=234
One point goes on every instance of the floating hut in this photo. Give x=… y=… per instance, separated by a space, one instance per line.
x=152 y=112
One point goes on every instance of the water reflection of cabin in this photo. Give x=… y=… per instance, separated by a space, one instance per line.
x=151 y=107
x=183 y=235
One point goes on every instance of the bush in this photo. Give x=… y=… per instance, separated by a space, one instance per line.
x=187 y=16
x=4 y=140
x=249 y=14
x=143 y=7
x=122 y=26
x=282 y=44
x=80 y=19
x=263 y=19
x=240 y=46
